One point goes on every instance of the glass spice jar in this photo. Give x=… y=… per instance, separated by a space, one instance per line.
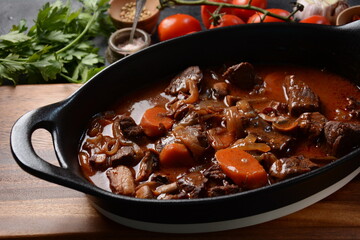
x=119 y=45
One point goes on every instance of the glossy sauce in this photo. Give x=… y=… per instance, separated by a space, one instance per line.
x=332 y=90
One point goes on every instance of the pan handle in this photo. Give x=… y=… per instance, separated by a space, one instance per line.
x=25 y=155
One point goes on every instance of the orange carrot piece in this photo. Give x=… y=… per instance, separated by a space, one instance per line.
x=176 y=155
x=154 y=122
x=242 y=168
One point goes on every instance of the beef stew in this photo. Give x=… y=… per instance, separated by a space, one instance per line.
x=221 y=130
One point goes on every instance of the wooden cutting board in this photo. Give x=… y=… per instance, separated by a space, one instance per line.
x=33 y=208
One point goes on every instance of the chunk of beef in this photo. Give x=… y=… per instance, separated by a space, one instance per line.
x=215 y=173
x=193 y=184
x=267 y=159
x=217 y=182
x=98 y=160
x=241 y=75
x=342 y=137
x=191 y=118
x=149 y=163
x=180 y=82
x=264 y=133
x=165 y=140
x=121 y=180
x=223 y=190
x=311 y=124
x=181 y=111
x=162 y=179
x=129 y=155
x=300 y=97
x=215 y=176
x=212 y=120
x=129 y=128
x=289 y=167
x=193 y=137
x=279 y=107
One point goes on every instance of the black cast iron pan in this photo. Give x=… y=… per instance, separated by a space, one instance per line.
x=334 y=48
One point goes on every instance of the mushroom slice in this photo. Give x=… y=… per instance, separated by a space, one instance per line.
x=167 y=188
x=285 y=125
x=144 y=192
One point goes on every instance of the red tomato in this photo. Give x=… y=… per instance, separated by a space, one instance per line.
x=207 y=10
x=245 y=14
x=256 y=18
x=177 y=25
x=316 y=19
x=228 y=20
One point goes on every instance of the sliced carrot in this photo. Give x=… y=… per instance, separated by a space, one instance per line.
x=242 y=168
x=154 y=122
x=175 y=155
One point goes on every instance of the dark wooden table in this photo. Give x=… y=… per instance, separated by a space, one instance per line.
x=33 y=208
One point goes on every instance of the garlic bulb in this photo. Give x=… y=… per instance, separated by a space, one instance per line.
x=327 y=8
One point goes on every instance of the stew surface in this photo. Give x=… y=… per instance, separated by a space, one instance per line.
x=221 y=130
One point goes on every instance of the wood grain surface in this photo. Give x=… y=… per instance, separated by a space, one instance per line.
x=31 y=208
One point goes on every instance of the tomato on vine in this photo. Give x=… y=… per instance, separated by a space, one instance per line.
x=207 y=11
x=316 y=19
x=245 y=14
x=259 y=17
x=177 y=25
x=227 y=20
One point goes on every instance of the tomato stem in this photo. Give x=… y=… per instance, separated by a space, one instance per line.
x=170 y=3
x=216 y=16
x=298 y=8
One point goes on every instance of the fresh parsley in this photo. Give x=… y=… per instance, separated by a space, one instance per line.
x=58 y=48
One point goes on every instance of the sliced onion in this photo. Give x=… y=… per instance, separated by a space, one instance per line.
x=249 y=144
x=262 y=147
x=194 y=92
x=270 y=118
x=234 y=121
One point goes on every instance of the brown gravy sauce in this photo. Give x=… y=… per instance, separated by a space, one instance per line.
x=331 y=88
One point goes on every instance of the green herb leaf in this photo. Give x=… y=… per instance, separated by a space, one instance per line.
x=15 y=37
x=37 y=56
x=58 y=47
x=91 y=59
x=90 y=4
x=48 y=68
x=21 y=27
x=59 y=36
x=7 y=75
